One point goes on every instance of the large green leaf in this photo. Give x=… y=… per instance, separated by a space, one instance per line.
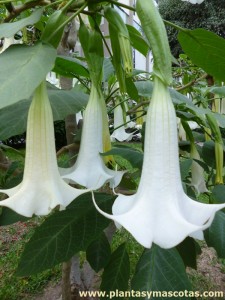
x=8 y=216
x=9 y=29
x=70 y=67
x=98 y=253
x=13 y=118
x=116 y=274
x=65 y=233
x=134 y=156
x=22 y=69
x=160 y=270
x=205 y=49
x=137 y=40
x=215 y=235
x=189 y=257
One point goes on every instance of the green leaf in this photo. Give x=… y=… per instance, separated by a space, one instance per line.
x=185 y=168
x=10 y=29
x=70 y=67
x=8 y=216
x=145 y=89
x=218 y=90
x=215 y=235
x=13 y=118
x=134 y=156
x=98 y=253
x=23 y=68
x=205 y=49
x=65 y=233
x=53 y=31
x=116 y=273
x=189 y=250
x=108 y=69
x=218 y=193
x=160 y=270
x=137 y=40
x=208 y=153
x=131 y=89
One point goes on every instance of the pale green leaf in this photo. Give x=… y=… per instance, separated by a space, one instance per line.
x=9 y=29
x=22 y=69
x=13 y=118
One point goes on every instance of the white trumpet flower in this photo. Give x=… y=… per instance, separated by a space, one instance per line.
x=89 y=169
x=160 y=211
x=194 y=1
x=120 y=134
x=42 y=188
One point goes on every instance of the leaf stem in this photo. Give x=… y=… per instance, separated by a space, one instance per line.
x=175 y=26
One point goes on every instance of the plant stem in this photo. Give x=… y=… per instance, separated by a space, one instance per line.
x=122 y=5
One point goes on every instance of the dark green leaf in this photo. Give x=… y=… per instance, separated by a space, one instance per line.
x=205 y=49
x=54 y=28
x=65 y=233
x=137 y=40
x=131 y=89
x=160 y=270
x=13 y=118
x=134 y=156
x=8 y=216
x=10 y=29
x=188 y=251
x=208 y=153
x=116 y=273
x=70 y=67
x=215 y=235
x=218 y=193
x=98 y=253
x=31 y=64
x=185 y=166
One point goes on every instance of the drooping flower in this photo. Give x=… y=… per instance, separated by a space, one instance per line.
x=194 y=1
x=119 y=134
x=89 y=169
x=160 y=211
x=42 y=188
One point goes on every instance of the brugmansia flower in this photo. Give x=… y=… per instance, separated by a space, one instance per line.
x=160 y=211
x=194 y=1
x=42 y=188
x=89 y=169
x=120 y=134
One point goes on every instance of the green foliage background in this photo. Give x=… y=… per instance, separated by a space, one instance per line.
x=209 y=15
